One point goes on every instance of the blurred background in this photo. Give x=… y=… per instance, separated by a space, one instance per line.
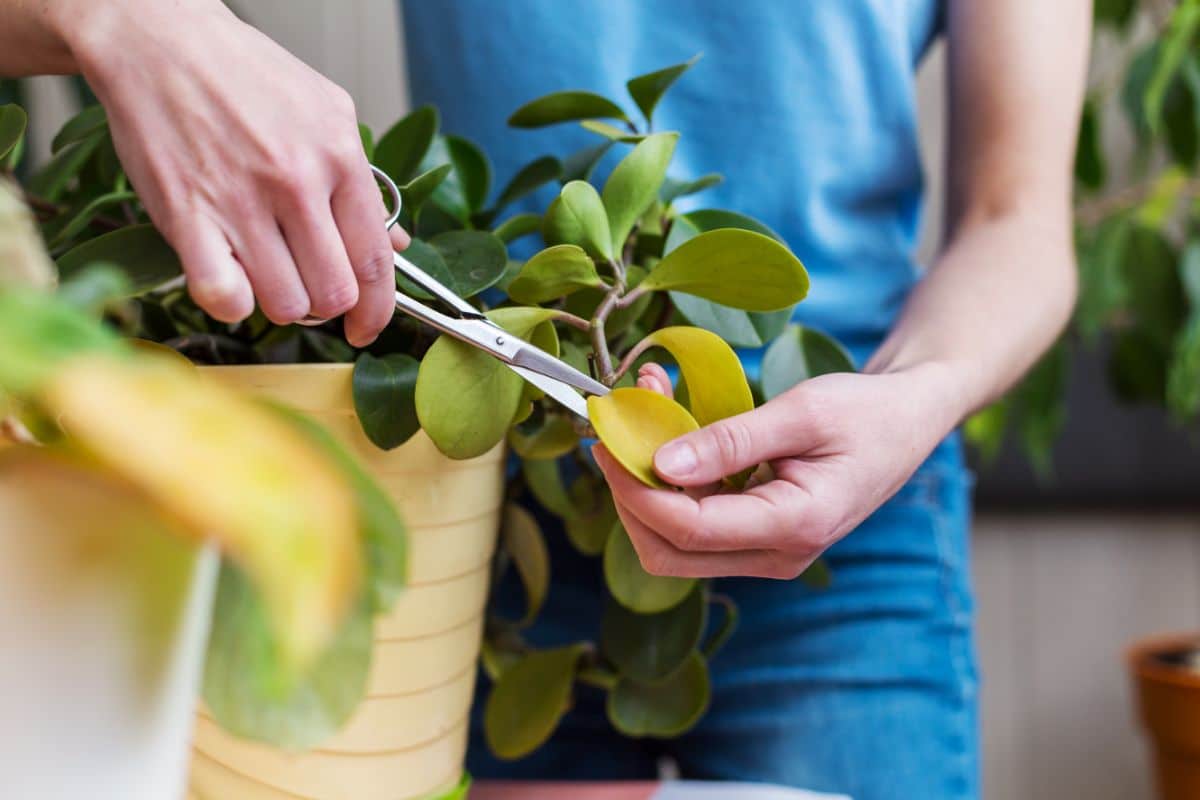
x=1097 y=545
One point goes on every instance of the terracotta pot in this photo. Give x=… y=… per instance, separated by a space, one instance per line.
x=408 y=738
x=1168 y=697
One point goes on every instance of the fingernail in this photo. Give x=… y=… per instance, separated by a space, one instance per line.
x=677 y=459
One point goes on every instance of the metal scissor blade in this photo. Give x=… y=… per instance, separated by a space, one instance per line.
x=540 y=361
x=559 y=391
x=433 y=286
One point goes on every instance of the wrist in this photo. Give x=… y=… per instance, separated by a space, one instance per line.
x=941 y=388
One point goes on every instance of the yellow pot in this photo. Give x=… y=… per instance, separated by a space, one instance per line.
x=408 y=738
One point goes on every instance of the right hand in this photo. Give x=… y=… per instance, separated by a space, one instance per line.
x=246 y=159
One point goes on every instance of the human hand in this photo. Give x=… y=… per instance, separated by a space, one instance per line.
x=247 y=160
x=838 y=447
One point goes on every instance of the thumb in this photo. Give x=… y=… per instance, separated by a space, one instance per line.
x=728 y=446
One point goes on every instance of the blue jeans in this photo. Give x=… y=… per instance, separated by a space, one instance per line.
x=866 y=688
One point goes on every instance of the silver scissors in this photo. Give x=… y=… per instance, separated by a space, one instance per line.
x=464 y=322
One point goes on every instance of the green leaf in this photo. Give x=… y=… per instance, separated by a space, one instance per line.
x=632 y=586
x=1137 y=366
x=465 y=398
x=1154 y=291
x=367 y=137
x=86 y=123
x=580 y=165
x=139 y=251
x=633 y=185
x=474 y=260
x=528 y=700
x=554 y=272
x=1175 y=46
x=650 y=647
x=384 y=398
x=1040 y=398
x=422 y=187
x=1090 y=168
x=517 y=226
x=578 y=217
x=564 y=107
x=1181 y=115
x=545 y=483
x=666 y=709
x=51 y=180
x=1101 y=276
x=465 y=190
x=382 y=531
x=521 y=538
x=1189 y=273
x=1183 y=373
x=400 y=152
x=673 y=189
x=529 y=179
x=646 y=90
x=799 y=354
x=592 y=516
x=711 y=219
x=611 y=132
x=79 y=221
x=553 y=437
x=94 y=289
x=735 y=268
x=13 y=121
x=1115 y=13
x=985 y=429
x=247 y=685
x=818 y=575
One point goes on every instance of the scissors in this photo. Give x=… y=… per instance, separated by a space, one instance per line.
x=467 y=324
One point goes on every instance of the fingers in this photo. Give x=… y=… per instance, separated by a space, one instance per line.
x=321 y=259
x=215 y=280
x=360 y=215
x=272 y=271
x=653 y=377
x=776 y=430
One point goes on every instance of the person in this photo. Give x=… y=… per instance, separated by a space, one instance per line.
x=250 y=165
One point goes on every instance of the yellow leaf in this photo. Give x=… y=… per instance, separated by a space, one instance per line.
x=228 y=468
x=633 y=423
x=716 y=383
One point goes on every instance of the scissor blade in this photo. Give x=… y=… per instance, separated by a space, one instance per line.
x=433 y=285
x=559 y=391
x=540 y=361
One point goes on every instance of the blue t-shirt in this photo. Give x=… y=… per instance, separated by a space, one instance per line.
x=806 y=106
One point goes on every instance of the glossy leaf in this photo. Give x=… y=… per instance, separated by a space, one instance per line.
x=545 y=483
x=79 y=221
x=578 y=217
x=632 y=586
x=87 y=122
x=799 y=354
x=400 y=151
x=521 y=538
x=367 y=137
x=580 y=165
x=611 y=132
x=95 y=289
x=247 y=686
x=528 y=700
x=564 y=107
x=384 y=390
x=465 y=398
x=735 y=268
x=52 y=179
x=465 y=189
x=517 y=226
x=1175 y=46
x=474 y=260
x=13 y=122
x=1090 y=167
x=592 y=517
x=139 y=251
x=529 y=179
x=646 y=90
x=665 y=709
x=554 y=437
x=633 y=423
x=673 y=189
x=650 y=647
x=554 y=272
x=633 y=185
x=421 y=188
x=716 y=382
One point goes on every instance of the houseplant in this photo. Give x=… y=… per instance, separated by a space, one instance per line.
x=622 y=268
x=116 y=466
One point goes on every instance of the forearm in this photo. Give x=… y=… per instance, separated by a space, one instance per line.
x=31 y=41
x=997 y=297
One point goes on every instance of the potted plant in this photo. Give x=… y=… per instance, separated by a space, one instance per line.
x=121 y=471
x=621 y=273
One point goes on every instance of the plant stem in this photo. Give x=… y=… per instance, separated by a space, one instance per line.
x=47 y=207
x=572 y=320
x=610 y=303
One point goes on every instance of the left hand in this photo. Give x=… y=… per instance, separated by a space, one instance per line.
x=839 y=446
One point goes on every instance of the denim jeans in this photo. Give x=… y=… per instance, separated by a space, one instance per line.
x=867 y=687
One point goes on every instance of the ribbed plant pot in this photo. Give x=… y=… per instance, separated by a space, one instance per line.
x=1168 y=698
x=408 y=738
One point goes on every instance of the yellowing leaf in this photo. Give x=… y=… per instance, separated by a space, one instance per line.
x=733 y=267
x=553 y=273
x=228 y=468
x=716 y=383
x=633 y=423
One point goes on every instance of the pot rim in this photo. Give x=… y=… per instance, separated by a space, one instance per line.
x=285 y=367
x=1143 y=662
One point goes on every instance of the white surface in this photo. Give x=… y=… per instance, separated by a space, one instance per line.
x=100 y=664
x=695 y=790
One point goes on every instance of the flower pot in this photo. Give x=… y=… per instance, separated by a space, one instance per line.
x=408 y=738
x=104 y=618
x=1168 y=697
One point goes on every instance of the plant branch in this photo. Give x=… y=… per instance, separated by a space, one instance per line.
x=632 y=356
x=600 y=336
x=572 y=320
x=47 y=207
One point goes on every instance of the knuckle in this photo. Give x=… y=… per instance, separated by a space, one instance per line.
x=336 y=301
x=286 y=310
x=224 y=300
x=731 y=440
x=376 y=267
